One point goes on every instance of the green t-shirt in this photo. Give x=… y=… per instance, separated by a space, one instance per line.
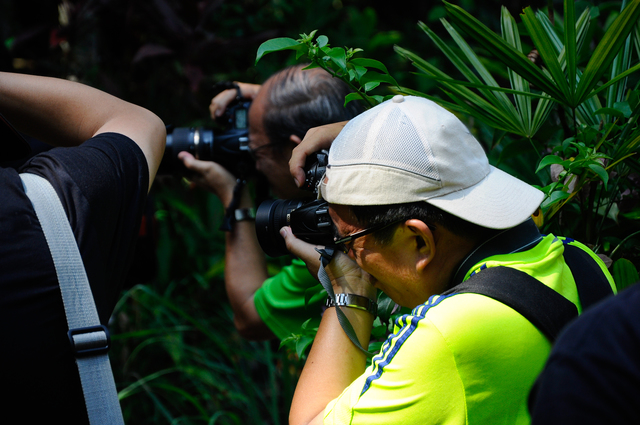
x=461 y=358
x=288 y=299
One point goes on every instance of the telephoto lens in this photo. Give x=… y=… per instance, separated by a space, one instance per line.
x=228 y=147
x=309 y=221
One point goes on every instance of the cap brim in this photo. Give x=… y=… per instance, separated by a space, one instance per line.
x=12 y=145
x=499 y=201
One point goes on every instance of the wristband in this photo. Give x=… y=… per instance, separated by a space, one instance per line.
x=243 y=214
x=354 y=301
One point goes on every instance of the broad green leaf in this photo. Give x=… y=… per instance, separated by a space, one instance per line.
x=339 y=57
x=624 y=108
x=556 y=196
x=369 y=63
x=372 y=76
x=601 y=172
x=624 y=273
x=359 y=96
x=548 y=160
x=322 y=41
x=357 y=72
x=276 y=45
x=371 y=85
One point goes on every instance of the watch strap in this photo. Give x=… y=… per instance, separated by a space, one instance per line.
x=354 y=301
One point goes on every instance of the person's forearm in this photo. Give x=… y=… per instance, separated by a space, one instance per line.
x=333 y=364
x=245 y=272
x=64 y=113
x=55 y=111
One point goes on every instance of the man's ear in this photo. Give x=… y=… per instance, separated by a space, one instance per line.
x=422 y=242
x=295 y=139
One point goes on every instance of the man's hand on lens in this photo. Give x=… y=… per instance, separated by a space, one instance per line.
x=303 y=250
x=345 y=275
x=210 y=176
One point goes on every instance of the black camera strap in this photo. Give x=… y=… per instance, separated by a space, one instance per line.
x=229 y=216
x=326 y=255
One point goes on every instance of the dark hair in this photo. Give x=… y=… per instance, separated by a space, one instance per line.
x=302 y=99
x=370 y=215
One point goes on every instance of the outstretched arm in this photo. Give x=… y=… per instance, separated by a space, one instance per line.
x=245 y=265
x=64 y=113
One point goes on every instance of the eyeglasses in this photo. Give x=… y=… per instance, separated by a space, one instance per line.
x=341 y=243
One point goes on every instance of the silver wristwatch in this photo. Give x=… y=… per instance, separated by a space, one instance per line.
x=354 y=301
x=243 y=214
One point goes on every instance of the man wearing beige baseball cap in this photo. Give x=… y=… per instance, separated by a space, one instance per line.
x=420 y=214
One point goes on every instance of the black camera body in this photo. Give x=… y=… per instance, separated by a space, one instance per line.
x=229 y=147
x=309 y=220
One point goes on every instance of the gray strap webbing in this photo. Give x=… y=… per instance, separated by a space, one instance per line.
x=89 y=339
x=326 y=255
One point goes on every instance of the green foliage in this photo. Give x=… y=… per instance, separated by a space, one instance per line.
x=361 y=74
x=574 y=114
x=624 y=273
x=176 y=355
x=301 y=342
x=595 y=144
x=183 y=366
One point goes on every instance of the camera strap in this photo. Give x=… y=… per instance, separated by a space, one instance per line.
x=89 y=339
x=326 y=255
x=229 y=215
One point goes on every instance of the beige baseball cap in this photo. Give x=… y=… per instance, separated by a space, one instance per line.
x=410 y=149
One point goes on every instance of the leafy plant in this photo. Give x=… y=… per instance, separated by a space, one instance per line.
x=361 y=74
x=569 y=105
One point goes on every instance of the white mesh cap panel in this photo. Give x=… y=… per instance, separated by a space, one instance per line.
x=390 y=140
x=409 y=149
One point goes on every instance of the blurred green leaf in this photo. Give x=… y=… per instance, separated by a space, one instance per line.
x=276 y=45
x=624 y=273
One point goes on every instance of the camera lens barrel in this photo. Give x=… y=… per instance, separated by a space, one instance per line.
x=309 y=221
x=197 y=141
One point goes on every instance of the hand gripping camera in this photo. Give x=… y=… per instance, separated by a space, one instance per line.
x=229 y=148
x=309 y=220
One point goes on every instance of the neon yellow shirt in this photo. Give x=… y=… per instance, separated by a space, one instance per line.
x=462 y=358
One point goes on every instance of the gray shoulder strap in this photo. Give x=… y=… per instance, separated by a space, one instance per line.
x=89 y=339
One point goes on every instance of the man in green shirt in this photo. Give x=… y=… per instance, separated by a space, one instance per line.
x=282 y=110
x=417 y=209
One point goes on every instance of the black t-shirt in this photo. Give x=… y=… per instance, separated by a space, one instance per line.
x=102 y=185
x=593 y=373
